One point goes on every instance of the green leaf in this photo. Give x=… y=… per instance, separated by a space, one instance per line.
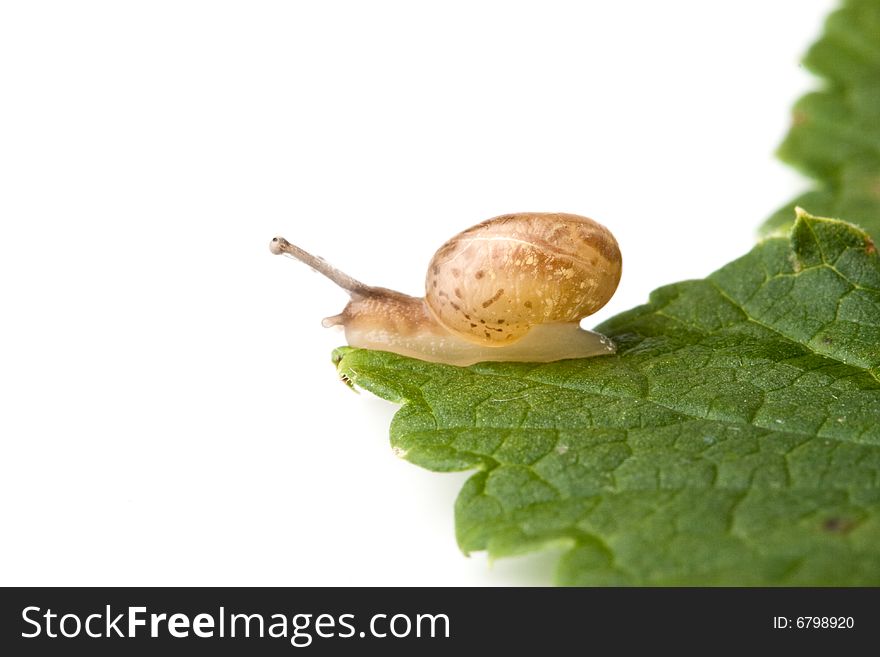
x=835 y=133
x=734 y=439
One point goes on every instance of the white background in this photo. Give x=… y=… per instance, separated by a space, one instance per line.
x=169 y=411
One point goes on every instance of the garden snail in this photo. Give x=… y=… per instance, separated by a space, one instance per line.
x=512 y=288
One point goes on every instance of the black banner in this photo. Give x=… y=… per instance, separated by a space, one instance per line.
x=256 y=621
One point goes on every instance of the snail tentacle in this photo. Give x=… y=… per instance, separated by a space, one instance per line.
x=280 y=246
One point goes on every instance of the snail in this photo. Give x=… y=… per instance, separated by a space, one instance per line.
x=512 y=288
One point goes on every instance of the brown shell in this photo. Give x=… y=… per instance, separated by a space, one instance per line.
x=494 y=281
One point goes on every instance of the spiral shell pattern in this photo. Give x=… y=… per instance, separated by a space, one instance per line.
x=494 y=281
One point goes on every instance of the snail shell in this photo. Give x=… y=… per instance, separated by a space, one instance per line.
x=512 y=288
x=497 y=280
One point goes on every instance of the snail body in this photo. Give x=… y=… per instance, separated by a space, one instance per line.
x=512 y=288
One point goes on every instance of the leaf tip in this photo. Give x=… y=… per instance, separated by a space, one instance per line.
x=342 y=369
x=338 y=354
